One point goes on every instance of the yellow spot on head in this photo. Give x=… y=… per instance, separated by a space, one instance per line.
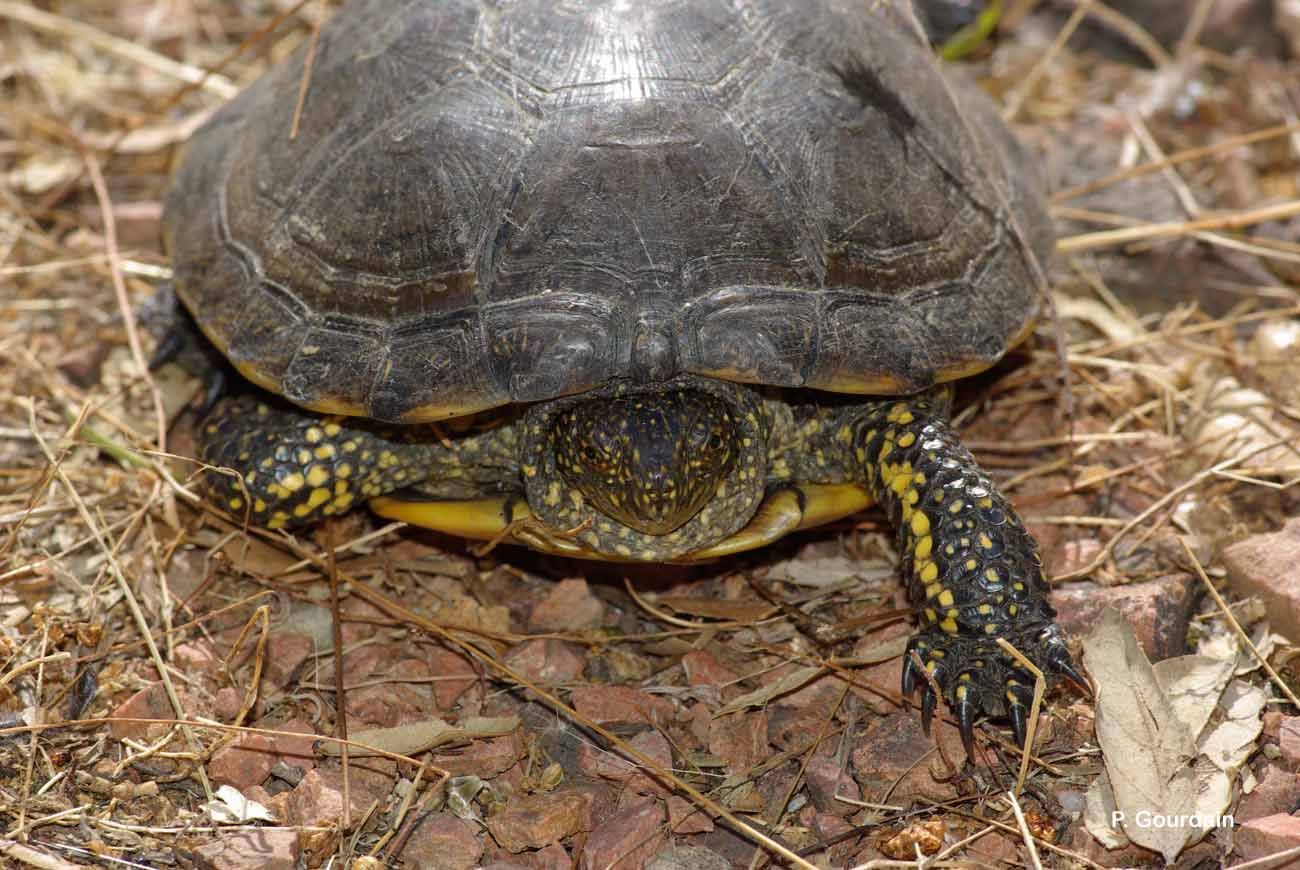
x=318 y=497
x=923 y=548
x=945 y=598
x=985 y=542
x=948 y=626
x=302 y=455
x=332 y=429
x=236 y=503
x=324 y=451
x=920 y=524
x=292 y=482
x=259 y=506
x=317 y=475
x=343 y=470
x=314 y=434
x=971 y=564
x=907 y=439
x=301 y=511
x=929 y=572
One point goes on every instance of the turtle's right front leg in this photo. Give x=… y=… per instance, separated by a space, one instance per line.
x=296 y=468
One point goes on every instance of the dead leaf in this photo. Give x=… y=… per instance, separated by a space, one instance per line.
x=759 y=697
x=1160 y=789
x=421 y=736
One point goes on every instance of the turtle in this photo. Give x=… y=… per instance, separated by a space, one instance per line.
x=644 y=282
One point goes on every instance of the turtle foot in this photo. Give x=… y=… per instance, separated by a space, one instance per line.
x=977 y=677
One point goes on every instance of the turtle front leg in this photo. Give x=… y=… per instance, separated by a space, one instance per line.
x=295 y=468
x=973 y=571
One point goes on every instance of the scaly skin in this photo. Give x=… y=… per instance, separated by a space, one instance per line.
x=972 y=570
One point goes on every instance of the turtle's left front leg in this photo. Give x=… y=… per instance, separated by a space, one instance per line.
x=973 y=572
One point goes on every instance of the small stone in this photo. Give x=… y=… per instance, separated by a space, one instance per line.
x=446 y=666
x=1277 y=790
x=740 y=739
x=702 y=669
x=621 y=705
x=148 y=703
x=317 y=801
x=244 y=763
x=285 y=654
x=250 y=849
x=1259 y=838
x=1288 y=742
x=1268 y=565
x=685 y=817
x=608 y=764
x=894 y=757
x=546 y=660
x=1158 y=610
x=444 y=842
x=295 y=746
x=681 y=857
x=227 y=703
x=627 y=839
x=483 y=758
x=570 y=606
x=196 y=657
x=827 y=782
x=534 y=821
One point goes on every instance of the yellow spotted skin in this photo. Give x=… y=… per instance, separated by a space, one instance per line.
x=973 y=571
x=688 y=464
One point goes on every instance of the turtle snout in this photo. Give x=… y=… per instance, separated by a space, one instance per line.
x=650 y=461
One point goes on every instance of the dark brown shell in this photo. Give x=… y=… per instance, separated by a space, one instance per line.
x=493 y=202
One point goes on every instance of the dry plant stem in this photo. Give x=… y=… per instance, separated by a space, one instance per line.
x=1027 y=837
x=29 y=857
x=34 y=740
x=710 y=806
x=128 y=317
x=803 y=766
x=1018 y=95
x=1236 y=626
x=1174 y=159
x=26 y=14
x=262 y=616
x=305 y=84
x=1177 y=492
x=128 y=595
x=1173 y=229
x=1031 y=729
x=340 y=693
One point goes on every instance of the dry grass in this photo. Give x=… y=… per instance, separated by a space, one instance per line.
x=1180 y=268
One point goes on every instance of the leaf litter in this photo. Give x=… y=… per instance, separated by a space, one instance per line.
x=1175 y=177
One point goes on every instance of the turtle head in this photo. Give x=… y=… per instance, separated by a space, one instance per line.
x=649 y=460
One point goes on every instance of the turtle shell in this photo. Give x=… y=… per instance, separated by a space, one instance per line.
x=490 y=202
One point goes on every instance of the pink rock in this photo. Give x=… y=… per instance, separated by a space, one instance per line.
x=447 y=667
x=607 y=764
x=740 y=739
x=317 y=801
x=1288 y=741
x=1259 y=838
x=285 y=654
x=196 y=657
x=1158 y=610
x=295 y=745
x=627 y=840
x=570 y=606
x=227 y=703
x=444 y=842
x=244 y=763
x=686 y=818
x=1269 y=566
x=702 y=669
x=484 y=758
x=621 y=705
x=827 y=782
x=148 y=703
x=250 y=849
x=534 y=821
x=546 y=661
x=1276 y=791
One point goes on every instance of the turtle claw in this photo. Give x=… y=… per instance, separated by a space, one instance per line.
x=966 y=724
x=1019 y=723
x=928 y=701
x=1059 y=660
x=910 y=673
